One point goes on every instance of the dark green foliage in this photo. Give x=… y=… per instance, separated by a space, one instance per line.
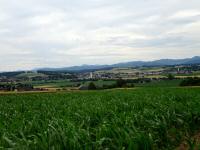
x=91 y=86
x=131 y=85
x=10 y=74
x=190 y=82
x=24 y=87
x=140 y=119
x=18 y=86
x=111 y=86
x=121 y=83
x=7 y=87
x=161 y=83
x=170 y=76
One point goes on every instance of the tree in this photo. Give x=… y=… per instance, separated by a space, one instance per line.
x=170 y=76
x=91 y=86
x=121 y=83
x=190 y=82
x=24 y=87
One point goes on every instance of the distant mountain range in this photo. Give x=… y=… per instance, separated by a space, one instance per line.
x=161 y=62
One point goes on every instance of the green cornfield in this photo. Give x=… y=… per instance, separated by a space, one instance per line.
x=143 y=118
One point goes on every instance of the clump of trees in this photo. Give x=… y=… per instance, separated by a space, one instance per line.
x=10 y=74
x=24 y=87
x=170 y=76
x=92 y=86
x=18 y=87
x=55 y=75
x=7 y=87
x=191 y=82
x=120 y=83
x=111 y=86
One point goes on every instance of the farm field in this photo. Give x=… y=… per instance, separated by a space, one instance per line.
x=65 y=83
x=141 y=118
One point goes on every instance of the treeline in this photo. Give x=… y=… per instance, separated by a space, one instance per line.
x=11 y=74
x=51 y=75
x=191 y=82
x=120 y=83
x=18 y=87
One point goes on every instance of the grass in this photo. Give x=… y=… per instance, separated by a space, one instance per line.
x=143 y=118
x=67 y=83
x=100 y=83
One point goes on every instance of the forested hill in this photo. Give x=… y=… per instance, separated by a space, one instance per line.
x=161 y=62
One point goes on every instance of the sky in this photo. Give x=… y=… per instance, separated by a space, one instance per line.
x=61 y=33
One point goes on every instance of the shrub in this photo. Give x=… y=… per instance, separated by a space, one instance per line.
x=91 y=86
x=109 y=86
x=170 y=76
x=190 y=82
x=121 y=83
x=130 y=85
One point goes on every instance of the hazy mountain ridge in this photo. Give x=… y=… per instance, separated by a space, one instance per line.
x=161 y=62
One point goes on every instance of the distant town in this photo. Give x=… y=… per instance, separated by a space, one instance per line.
x=42 y=80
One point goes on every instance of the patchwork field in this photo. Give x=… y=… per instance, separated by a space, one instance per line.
x=141 y=118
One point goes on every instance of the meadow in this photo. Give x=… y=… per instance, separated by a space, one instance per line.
x=65 y=84
x=140 y=118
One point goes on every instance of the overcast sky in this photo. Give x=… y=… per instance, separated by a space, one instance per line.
x=58 y=33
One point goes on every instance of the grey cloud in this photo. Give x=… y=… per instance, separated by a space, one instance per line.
x=42 y=33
